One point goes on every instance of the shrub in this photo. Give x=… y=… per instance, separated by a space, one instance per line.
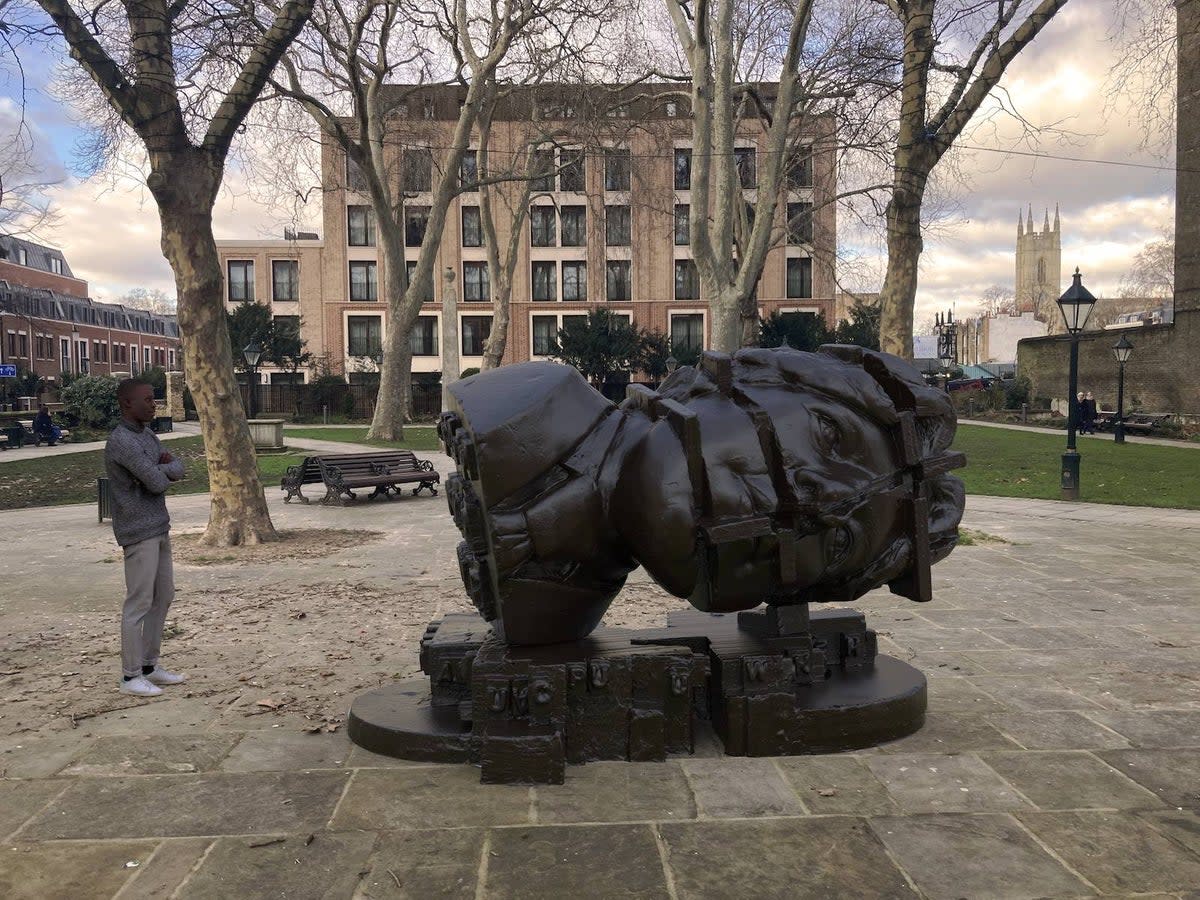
x=93 y=399
x=467 y=373
x=1017 y=392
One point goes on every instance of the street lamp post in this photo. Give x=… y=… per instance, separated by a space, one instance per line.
x=1076 y=305
x=252 y=353
x=1122 y=350
x=947 y=334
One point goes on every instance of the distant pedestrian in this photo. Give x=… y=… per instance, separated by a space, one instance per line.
x=1087 y=414
x=44 y=427
x=139 y=473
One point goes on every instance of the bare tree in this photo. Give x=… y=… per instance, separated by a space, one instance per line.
x=1152 y=274
x=997 y=300
x=150 y=299
x=182 y=77
x=954 y=54
x=1142 y=78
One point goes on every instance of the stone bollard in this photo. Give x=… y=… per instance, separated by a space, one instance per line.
x=1024 y=413
x=175 y=397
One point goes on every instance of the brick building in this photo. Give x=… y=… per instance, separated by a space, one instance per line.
x=607 y=227
x=49 y=325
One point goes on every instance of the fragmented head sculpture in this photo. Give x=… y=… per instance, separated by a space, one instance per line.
x=772 y=477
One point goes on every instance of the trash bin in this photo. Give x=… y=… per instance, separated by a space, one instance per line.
x=103 y=500
x=162 y=424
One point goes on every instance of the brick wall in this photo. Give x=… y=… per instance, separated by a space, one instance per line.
x=26 y=276
x=1163 y=374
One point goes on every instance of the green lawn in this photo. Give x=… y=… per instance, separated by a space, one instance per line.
x=416 y=437
x=1005 y=463
x=71 y=478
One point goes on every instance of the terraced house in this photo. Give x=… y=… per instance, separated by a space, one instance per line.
x=605 y=223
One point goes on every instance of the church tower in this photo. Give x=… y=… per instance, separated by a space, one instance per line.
x=1039 y=267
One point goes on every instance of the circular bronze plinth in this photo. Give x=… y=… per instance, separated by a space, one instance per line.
x=398 y=720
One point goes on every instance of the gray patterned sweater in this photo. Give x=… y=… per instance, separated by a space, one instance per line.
x=138 y=483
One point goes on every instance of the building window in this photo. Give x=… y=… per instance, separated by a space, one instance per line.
x=687 y=333
x=616 y=169
x=416 y=220
x=475 y=332
x=472 y=227
x=617 y=280
x=241 y=280
x=416 y=171
x=56 y=265
x=672 y=109
x=22 y=256
x=744 y=159
x=542 y=226
x=545 y=281
x=683 y=224
x=468 y=171
x=365 y=334
x=799 y=223
x=475 y=284
x=364 y=283
x=799 y=278
x=571 y=171
x=545 y=334
x=542 y=171
x=799 y=171
x=687 y=280
x=146 y=356
x=287 y=378
x=355 y=179
x=683 y=169
x=64 y=352
x=616 y=226
x=574 y=280
x=287 y=326
x=410 y=272
x=285 y=279
x=360 y=226
x=171 y=359
x=423 y=339
x=574 y=226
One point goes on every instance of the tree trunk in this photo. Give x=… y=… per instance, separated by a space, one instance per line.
x=238 y=509
x=898 y=296
x=726 y=318
x=395 y=380
x=493 y=350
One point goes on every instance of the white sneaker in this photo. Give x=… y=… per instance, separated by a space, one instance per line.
x=140 y=687
x=162 y=676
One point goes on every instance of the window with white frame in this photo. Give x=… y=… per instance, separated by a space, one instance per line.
x=472 y=227
x=543 y=226
x=618 y=281
x=683 y=224
x=617 y=229
x=364 y=335
x=364 y=280
x=799 y=223
x=360 y=226
x=545 y=334
x=544 y=281
x=410 y=272
x=542 y=170
x=468 y=171
x=285 y=279
x=683 y=169
x=423 y=339
x=355 y=179
x=799 y=170
x=744 y=159
x=574 y=226
x=574 y=280
x=572 y=172
x=799 y=278
x=687 y=280
x=416 y=170
x=476 y=287
x=416 y=220
x=56 y=265
x=240 y=279
x=617 y=169
x=475 y=332
x=687 y=332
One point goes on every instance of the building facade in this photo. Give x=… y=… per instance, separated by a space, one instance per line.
x=984 y=340
x=49 y=325
x=1039 y=267
x=606 y=225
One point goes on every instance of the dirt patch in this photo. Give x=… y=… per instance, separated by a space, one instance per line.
x=299 y=543
x=969 y=537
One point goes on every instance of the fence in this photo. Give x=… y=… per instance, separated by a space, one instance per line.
x=351 y=401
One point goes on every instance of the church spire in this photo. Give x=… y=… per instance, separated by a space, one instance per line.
x=1020 y=224
x=1046 y=226
x=1029 y=227
x=1057 y=227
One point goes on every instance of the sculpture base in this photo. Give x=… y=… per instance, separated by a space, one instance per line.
x=523 y=713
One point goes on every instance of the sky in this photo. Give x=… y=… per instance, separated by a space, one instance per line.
x=109 y=227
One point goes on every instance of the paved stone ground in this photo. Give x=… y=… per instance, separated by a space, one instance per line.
x=1061 y=757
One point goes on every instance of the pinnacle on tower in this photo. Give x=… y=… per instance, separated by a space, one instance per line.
x=1029 y=227
x=1056 y=222
x=1020 y=224
x=1046 y=226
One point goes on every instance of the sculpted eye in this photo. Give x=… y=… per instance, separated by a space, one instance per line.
x=842 y=544
x=829 y=436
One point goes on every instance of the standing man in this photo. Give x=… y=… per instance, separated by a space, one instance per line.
x=139 y=473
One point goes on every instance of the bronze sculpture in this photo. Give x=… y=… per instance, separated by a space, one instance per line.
x=769 y=476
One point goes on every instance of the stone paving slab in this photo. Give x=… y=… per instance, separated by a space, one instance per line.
x=1060 y=758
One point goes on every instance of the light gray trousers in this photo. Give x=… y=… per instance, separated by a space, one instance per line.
x=149 y=590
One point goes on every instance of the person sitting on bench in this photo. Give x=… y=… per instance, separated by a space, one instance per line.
x=44 y=428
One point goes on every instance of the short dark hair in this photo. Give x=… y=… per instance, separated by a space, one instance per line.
x=127 y=386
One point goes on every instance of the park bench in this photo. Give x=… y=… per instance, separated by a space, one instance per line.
x=342 y=473
x=1135 y=423
x=36 y=439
